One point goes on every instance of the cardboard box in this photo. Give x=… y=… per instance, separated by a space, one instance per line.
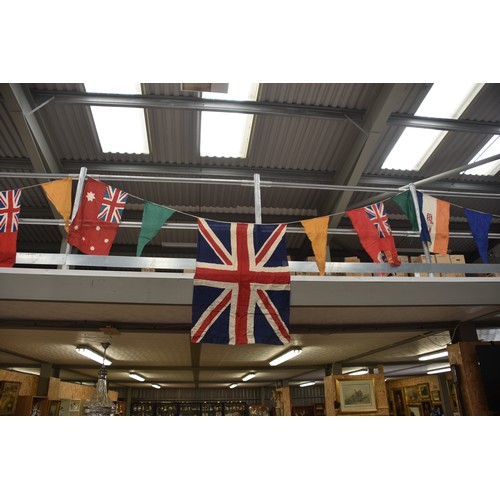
x=458 y=259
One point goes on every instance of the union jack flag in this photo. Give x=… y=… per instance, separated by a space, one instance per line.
x=241 y=291
x=376 y=213
x=112 y=206
x=10 y=206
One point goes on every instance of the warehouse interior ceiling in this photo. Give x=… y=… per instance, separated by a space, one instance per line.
x=315 y=149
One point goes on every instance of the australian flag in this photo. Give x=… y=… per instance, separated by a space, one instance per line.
x=241 y=292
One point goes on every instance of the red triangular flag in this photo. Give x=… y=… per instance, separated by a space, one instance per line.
x=374 y=232
x=10 y=205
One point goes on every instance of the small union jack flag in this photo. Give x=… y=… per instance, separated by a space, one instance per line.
x=241 y=291
x=376 y=213
x=10 y=206
x=112 y=206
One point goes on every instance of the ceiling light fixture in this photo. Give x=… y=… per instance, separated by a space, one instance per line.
x=156 y=386
x=136 y=376
x=89 y=353
x=433 y=355
x=295 y=351
x=439 y=370
x=362 y=371
x=233 y=386
x=248 y=376
x=307 y=384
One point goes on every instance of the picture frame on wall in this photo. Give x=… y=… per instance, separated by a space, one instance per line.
x=436 y=396
x=414 y=410
x=399 y=404
x=356 y=396
x=9 y=392
x=411 y=394
x=424 y=391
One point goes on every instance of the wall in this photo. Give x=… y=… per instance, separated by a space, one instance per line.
x=403 y=383
x=29 y=383
x=57 y=388
x=331 y=395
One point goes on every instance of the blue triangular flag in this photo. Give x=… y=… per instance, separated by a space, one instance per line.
x=479 y=223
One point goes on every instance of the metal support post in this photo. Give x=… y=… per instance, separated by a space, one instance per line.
x=258 y=202
x=427 y=254
x=76 y=204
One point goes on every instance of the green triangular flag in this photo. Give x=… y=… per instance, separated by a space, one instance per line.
x=153 y=217
x=405 y=201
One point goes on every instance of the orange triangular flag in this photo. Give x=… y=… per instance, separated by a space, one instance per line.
x=317 y=231
x=59 y=194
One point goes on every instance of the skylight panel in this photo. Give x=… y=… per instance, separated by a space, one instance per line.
x=227 y=135
x=120 y=130
x=415 y=144
x=491 y=148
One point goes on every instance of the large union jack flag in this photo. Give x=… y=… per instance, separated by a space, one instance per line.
x=376 y=213
x=112 y=206
x=10 y=206
x=241 y=291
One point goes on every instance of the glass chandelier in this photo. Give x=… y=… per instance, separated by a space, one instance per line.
x=100 y=404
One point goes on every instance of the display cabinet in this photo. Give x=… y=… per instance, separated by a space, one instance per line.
x=212 y=409
x=235 y=408
x=32 y=406
x=143 y=408
x=189 y=409
x=167 y=409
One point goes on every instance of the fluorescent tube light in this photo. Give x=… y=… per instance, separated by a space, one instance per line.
x=89 y=353
x=439 y=370
x=223 y=134
x=233 y=386
x=491 y=148
x=156 y=386
x=248 y=376
x=120 y=129
x=433 y=355
x=286 y=356
x=416 y=145
x=306 y=384
x=362 y=371
x=138 y=377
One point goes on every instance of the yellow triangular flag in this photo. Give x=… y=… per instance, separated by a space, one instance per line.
x=317 y=231
x=59 y=194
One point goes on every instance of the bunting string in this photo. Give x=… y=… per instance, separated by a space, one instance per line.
x=371 y=222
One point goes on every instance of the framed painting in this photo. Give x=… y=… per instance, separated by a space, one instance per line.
x=9 y=392
x=451 y=387
x=424 y=391
x=356 y=396
x=54 y=408
x=414 y=410
x=411 y=394
x=426 y=408
x=436 y=396
x=399 y=405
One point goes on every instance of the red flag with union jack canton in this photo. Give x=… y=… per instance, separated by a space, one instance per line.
x=10 y=206
x=241 y=291
x=372 y=226
x=94 y=227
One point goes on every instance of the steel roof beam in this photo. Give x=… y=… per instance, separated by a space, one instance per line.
x=19 y=104
x=269 y=108
x=198 y=104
